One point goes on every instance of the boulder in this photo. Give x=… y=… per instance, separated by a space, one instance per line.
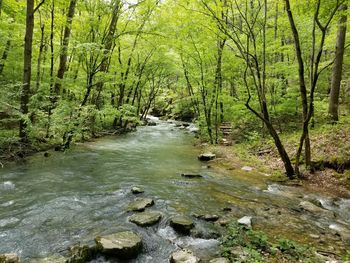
x=9 y=258
x=50 y=259
x=151 y=123
x=147 y=218
x=81 y=254
x=219 y=260
x=137 y=190
x=191 y=175
x=123 y=244
x=183 y=256
x=139 y=204
x=210 y=218
x=182 y=224
x=206 y=156
x=246 y=221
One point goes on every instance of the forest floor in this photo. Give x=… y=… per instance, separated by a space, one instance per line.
x=330 y=145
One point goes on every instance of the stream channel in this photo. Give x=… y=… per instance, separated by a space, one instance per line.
x=49 y=204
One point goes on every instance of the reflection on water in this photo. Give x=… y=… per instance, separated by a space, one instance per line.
x=49 y=204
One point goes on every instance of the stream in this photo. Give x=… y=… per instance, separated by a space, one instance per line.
x=49 y=204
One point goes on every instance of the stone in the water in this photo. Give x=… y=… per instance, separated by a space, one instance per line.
x=312 y=208
x=247 y=168
x=78 y=254
x=137 y=190
x=147 y=218
x=191 y=175
x=183 y=256
x=206 y=156
x=219 y=260
x=151 y=123
x=9 y=258
x=51 y=259
x=246 y=221
x=182 y=224
x=123 y=244
x=210 y=218
x=139 y=204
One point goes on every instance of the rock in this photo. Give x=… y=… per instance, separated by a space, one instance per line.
x=139 y=204
x=224 y=222
x=190 y=175
x=182 y=224
x=81 y=254
x=137 y=190
x=9 y=258
x=246 y=221
x=219 y=260
x=210 y=218
x=151 y=123
x=147 y=218
x=342 y=231
x=247 y=168
x=183 y=256
x=123 y=244
x=310 y=207
x=50 y=259
x=206 y=156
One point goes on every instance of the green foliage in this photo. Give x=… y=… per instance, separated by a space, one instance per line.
x=241 y=244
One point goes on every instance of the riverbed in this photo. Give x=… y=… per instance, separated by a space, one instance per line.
x=49 y=204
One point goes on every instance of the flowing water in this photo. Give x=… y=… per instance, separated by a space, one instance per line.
x=49 y=204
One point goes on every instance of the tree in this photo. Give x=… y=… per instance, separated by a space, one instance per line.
x=338 y=65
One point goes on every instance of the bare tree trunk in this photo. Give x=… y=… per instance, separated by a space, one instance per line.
x=4 y=55
x=41 y=50
x=338 y=66
x=27 y=71
x=64 y=48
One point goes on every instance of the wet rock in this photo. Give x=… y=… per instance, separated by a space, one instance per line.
x=151 y=123
x=223 y=222
x=139 y=204
x=210 y=218
x=50 y=259
x=191 y=175
x=9 y=258
x=81 y=254
x=219 y=260
x=147 y=218
x=247 y=168
x=183 y=256
x=123 y=244
x=137 y=190
x=342 y=231
x=246 y=221
x=312 y=208
x=206 y=156
x=182 y=224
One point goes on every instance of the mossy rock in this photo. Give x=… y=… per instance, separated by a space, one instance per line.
x=81 y=254
x=147 y=218
x=182 y=224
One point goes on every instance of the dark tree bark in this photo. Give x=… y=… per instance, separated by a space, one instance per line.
x=41 y=51
x=4 y=55
x=338 y=66
x=64 y=48
x=27 y=71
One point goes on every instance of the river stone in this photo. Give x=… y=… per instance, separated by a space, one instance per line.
x=219 y=260
x=123 y=244
x=183 y=256
x=139 y=204
x=9 y=258
x=206 y=156
x=310 y=207
x=50 y=259
x=210 y=218
x=147 y=218
x=137 y=190
x=81 y=253
x=191 y=175
x=182 y=224
x=247 y=168
x=246 y=221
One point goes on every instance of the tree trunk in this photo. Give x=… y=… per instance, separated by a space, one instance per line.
x=64 y=47
x=338 y=66
x=27 y=71
x=4 y=55
x=41 y=51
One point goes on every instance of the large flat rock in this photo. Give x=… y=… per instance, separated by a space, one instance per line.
x=9 y=258
x=140 y=204
x=123 y=244
x=182 y=224
x=183 y=256
x=147 y=218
